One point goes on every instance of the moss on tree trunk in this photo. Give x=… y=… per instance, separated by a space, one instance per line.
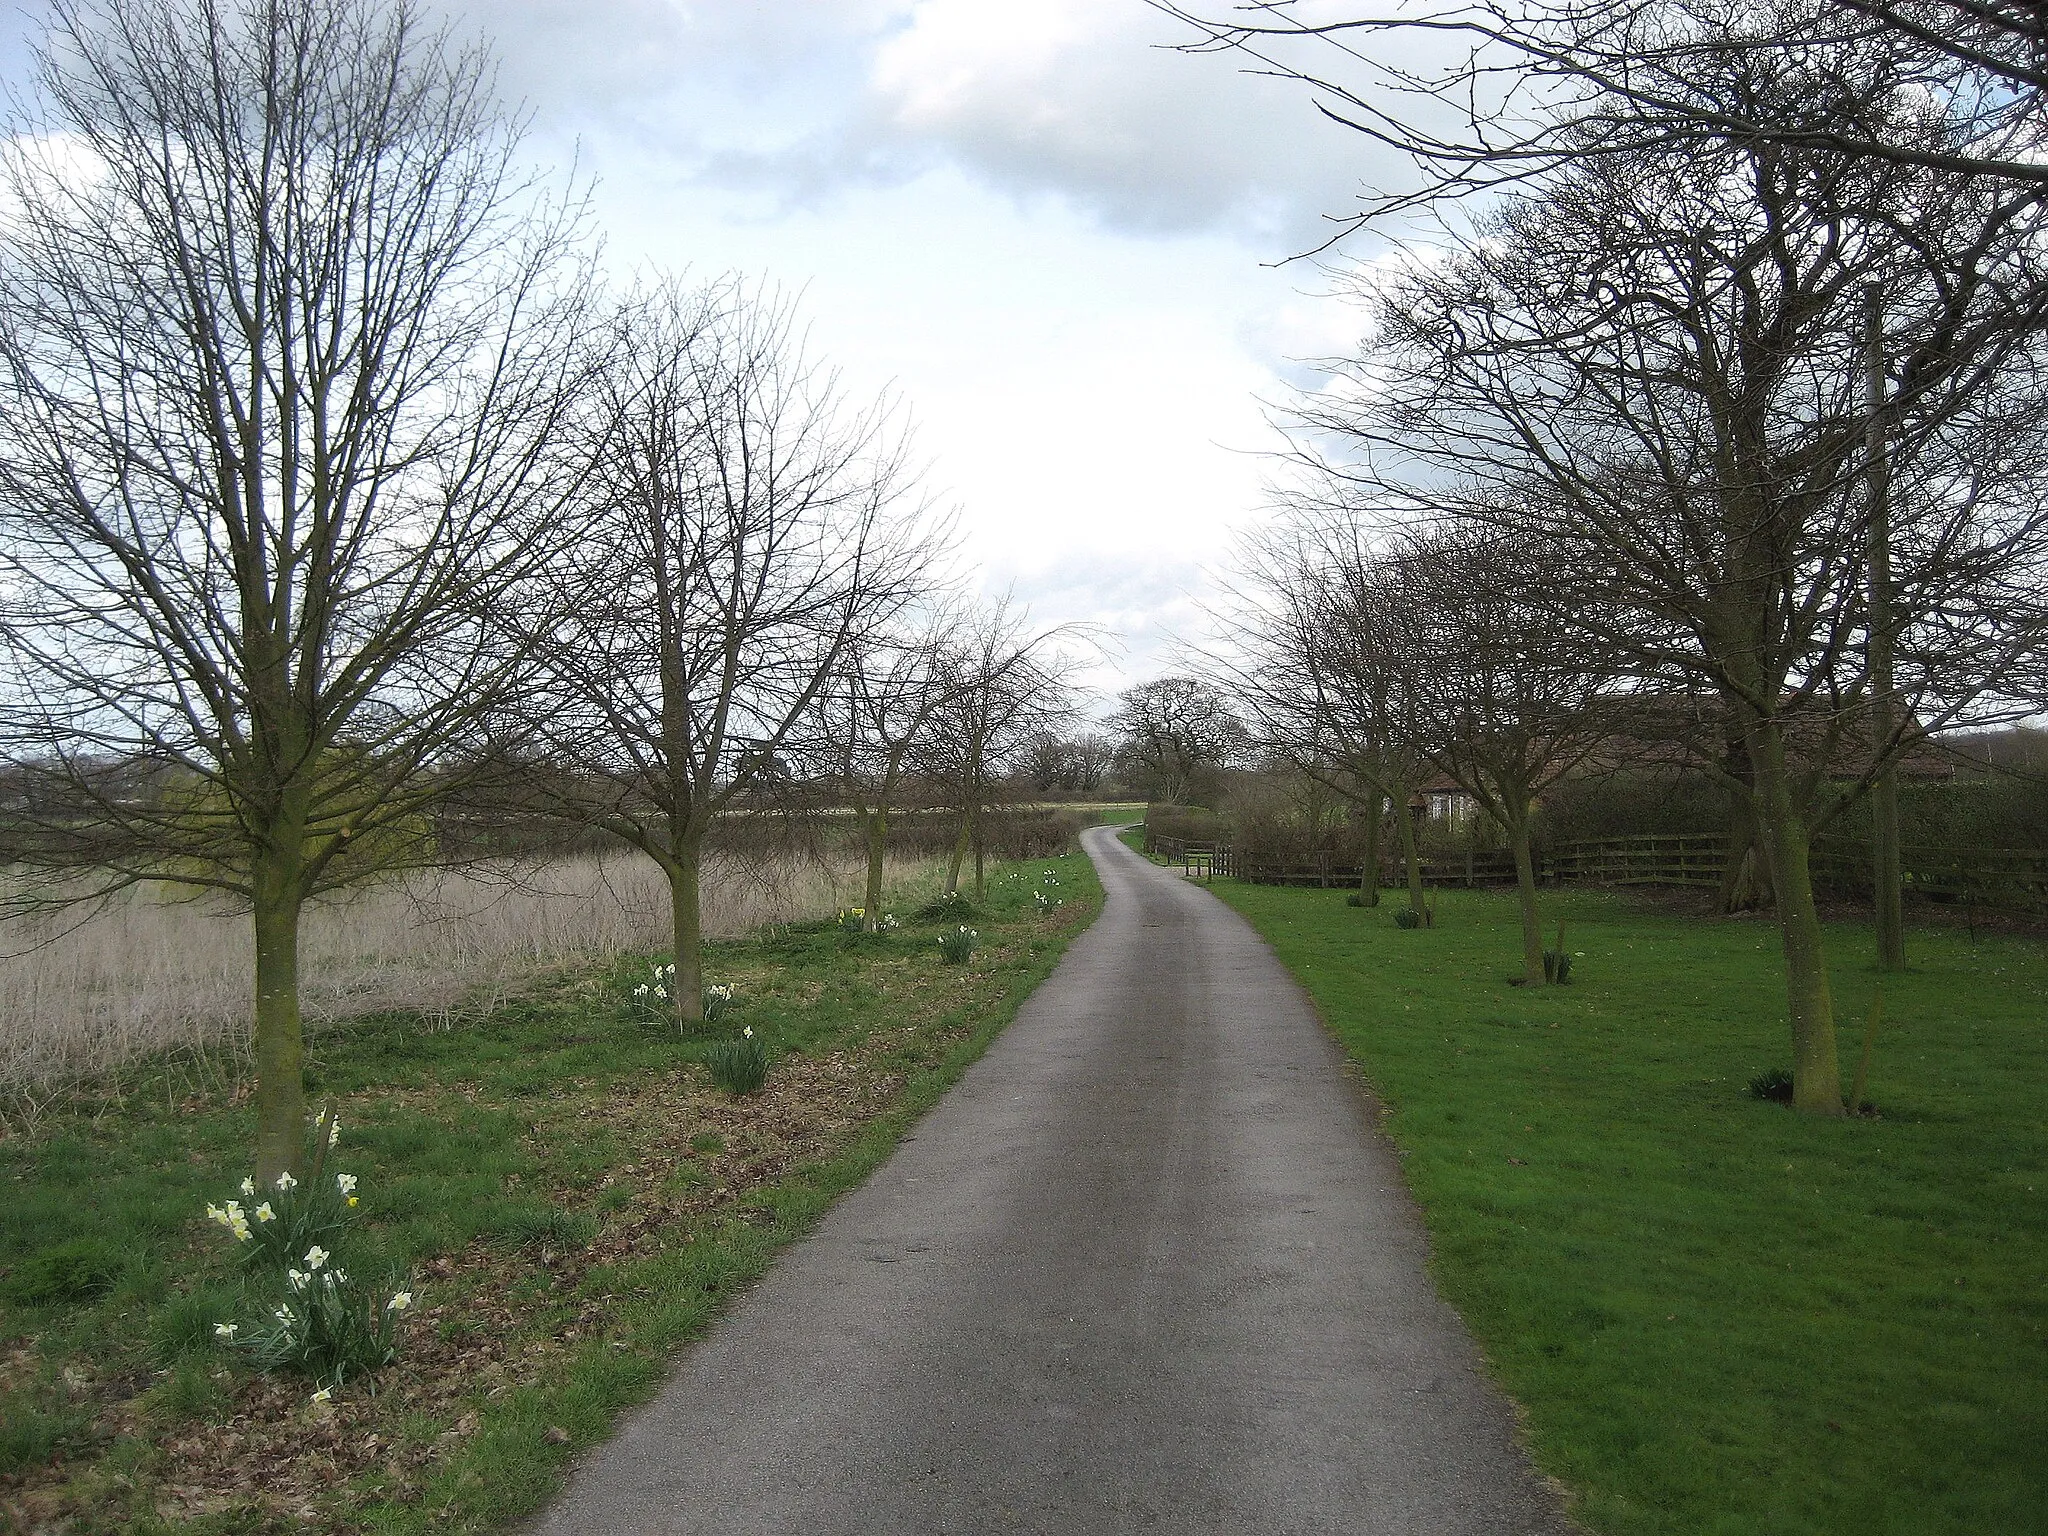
x=1816 y=1069
x=686 y=927
x=280 y=1046
x=1525 y=890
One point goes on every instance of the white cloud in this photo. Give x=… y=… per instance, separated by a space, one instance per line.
x=805 y=99
x=1083 y=98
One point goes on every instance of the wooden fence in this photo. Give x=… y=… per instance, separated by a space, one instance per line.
x=2007 y=879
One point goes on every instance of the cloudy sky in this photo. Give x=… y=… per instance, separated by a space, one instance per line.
x=1053 y=236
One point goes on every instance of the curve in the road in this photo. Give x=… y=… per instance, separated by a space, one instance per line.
x=1148 y=1267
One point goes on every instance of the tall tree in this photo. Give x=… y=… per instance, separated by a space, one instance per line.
x=752 y=528
x=1173 y=730
x=891 y=688
x=1509 y=693
x=1319 y=654
x=1003 y=683
x=285 y=341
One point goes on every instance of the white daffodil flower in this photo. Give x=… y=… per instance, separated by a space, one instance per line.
x=286 y=1181
x=226 y=1330
x=333 y=1132
x=323 y=1395
x=347 y=1182
x=296 y=1278
x=248 y=1186
x=265 y=1213
x=400 y=1302
x=315 y=1256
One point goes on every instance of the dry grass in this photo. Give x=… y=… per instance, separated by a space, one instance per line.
x=155 y=973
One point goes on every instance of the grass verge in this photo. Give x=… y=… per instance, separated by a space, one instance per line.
x=569 y=1197
x=1720 y=1317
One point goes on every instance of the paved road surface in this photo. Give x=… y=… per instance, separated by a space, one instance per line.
x=1146 y=1268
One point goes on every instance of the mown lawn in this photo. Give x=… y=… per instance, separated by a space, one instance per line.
x=559 y=1183
x=1721 y=1318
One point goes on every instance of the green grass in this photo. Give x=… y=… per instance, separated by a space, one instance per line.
x=1720 y=1317
x=1119 y=813
x=560 y=1177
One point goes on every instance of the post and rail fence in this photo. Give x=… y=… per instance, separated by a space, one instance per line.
x=2004 y=879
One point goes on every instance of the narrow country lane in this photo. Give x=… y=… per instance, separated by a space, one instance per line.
x=1146 y=1268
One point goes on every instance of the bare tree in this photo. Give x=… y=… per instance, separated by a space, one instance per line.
x=753 y=528
x=1486 y=93
x=1318 y=653
x=1508 y=691
x=1171 y=731
x=891 y=687
x=285 y=340
x=1077 y=763
x=1003 y=684
x=1656 y=367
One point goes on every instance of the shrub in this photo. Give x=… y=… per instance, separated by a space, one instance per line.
x=545 y=1226
x=1407 y=917
x=329 y=1326
x=187 y=1324
x=31 y=1436
x=738 y=1066
x=77 y=1270
x=294 y=1215
x=957 y=946
x=950 y=907
x=1775 y=1085
x=1557 y=963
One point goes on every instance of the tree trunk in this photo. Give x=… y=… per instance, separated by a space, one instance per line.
x=974 y=821
x=1409 y=852
x=1369 y=861
x=1887 y=877
x=1745 y=876
x=686 y=925
x=878 y=842
x=1887 y=871
x=1816 y=1069
x=959 y=853
x=1525 y=889
x=279 y=1039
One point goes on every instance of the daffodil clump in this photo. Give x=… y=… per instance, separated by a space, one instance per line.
x=718 y=1002
x=957 y=945
x=1043 y=902
x=738 y=1066
x=328 y=1325
x=322 y=1321
x=281 y=1222
x=658 y=988
x=852 y=919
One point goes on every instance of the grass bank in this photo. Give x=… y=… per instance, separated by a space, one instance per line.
x=569 y=1197
x=1721 y=1318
